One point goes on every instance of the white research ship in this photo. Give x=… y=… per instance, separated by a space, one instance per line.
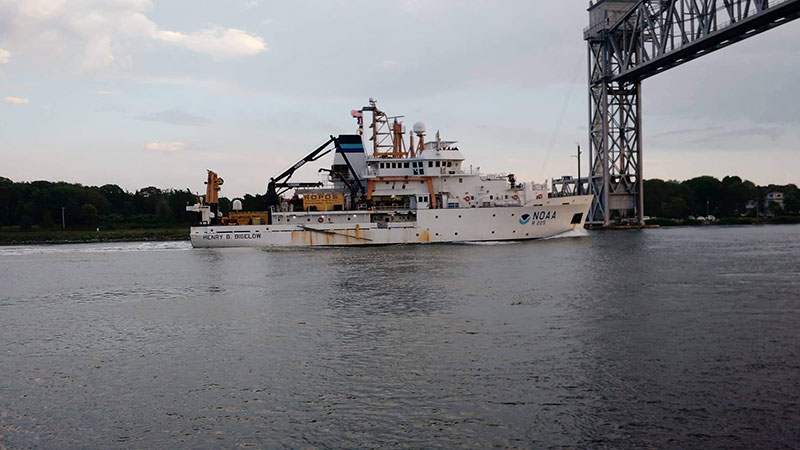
x=398 y=194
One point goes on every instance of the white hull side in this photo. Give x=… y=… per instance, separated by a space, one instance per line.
x=554 y=216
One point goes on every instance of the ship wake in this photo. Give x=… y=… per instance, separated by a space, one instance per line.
x=577 y=232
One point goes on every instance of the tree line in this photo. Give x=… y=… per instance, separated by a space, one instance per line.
x=730 y=197
x=39 y=204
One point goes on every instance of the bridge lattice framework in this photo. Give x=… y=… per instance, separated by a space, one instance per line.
x=631 y=40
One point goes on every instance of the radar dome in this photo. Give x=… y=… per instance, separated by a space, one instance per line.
x=237 y=205
x=419 y=128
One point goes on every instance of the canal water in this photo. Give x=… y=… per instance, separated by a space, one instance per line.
x=677 y=338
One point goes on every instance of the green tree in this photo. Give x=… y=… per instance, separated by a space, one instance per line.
x=47 y=220
x=89 y=215
x=677 y=209
x=704 y=191
x=146 y=199
x=656 y=197
x=791 y=205
x=163 y=212
x=26 y=222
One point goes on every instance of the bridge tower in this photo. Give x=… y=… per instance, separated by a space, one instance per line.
x=615 y=139
x=630 y=40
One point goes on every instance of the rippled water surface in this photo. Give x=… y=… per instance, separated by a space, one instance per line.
x=684 y=338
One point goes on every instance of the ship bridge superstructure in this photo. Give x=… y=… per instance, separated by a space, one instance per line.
x=418 y=174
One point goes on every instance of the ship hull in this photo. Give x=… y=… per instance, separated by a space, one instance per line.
x=552 y=217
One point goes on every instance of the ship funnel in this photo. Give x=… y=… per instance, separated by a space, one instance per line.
x=350 y=152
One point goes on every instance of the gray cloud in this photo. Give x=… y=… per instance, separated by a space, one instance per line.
x=771 y=132
x=685 y=131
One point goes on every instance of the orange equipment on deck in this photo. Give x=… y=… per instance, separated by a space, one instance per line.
x=212 y=187
x=246 y=218
x=323 y=201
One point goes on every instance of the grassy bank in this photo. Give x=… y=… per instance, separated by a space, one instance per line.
x=83 y=236
x=725 y=221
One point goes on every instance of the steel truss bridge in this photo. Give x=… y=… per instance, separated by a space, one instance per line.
x=630 y=40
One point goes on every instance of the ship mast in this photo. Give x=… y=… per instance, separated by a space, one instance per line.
x=387 y=138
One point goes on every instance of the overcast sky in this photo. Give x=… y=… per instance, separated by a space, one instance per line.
x=141 y=92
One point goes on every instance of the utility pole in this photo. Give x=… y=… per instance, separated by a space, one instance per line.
x=63 y=222
x=579 y=185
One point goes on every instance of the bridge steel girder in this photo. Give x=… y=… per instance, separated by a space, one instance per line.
x=615 y=143
x=635 y=39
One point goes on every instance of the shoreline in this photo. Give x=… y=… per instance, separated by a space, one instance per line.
x=92 y=237
x=724 y=222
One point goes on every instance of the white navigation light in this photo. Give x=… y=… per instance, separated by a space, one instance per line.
x=237 y=205
x=419 y=128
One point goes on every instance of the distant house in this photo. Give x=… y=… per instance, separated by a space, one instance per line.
x=771 y=197
x=776 y=197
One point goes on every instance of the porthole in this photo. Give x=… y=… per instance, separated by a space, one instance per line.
x=459 y=216
x=492 y=232
x=494 y=215
x=456 y=233
x=512 y=215
x=514 y=231
x=437 y=234
x=437 y=217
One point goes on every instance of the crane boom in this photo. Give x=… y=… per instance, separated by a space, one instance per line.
x=282 y=181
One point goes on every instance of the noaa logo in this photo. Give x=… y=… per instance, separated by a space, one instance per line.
x=524 y=219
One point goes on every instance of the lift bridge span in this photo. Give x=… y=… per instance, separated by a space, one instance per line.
x=628 y=41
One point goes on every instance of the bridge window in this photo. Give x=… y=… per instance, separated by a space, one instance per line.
x=430 y=163
x=382 y=165
x=438 y=164
x=405 y=165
